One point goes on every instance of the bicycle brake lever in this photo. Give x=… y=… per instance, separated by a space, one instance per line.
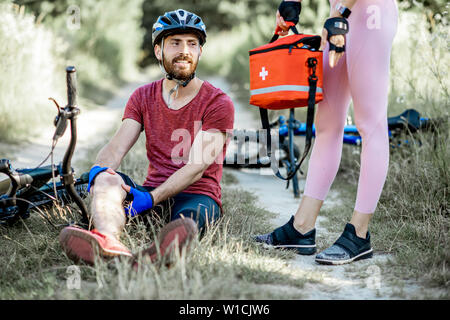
x=5 y=165
x=61 y=125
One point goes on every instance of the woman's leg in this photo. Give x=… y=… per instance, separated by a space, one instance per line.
x=372 y=28
x=327 y=149
x=369 y=48
x=299 y=233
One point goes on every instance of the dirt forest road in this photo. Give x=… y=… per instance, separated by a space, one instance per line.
x=362 y=280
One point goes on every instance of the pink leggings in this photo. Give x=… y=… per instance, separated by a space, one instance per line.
x=362 y=75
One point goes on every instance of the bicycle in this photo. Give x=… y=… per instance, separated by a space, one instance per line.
x=407 y=123
x=29 y=189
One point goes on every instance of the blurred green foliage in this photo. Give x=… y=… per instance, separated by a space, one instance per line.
x=31 y=68
x=38 y=39
x=103 y=38
x=114 y=37
x=228 y=14
x=222 y=15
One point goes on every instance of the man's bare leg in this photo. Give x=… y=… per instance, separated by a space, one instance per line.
x=108 y=217
x=107 y=213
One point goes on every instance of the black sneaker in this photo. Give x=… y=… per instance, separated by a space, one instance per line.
x=347 y=248
x=287 y=237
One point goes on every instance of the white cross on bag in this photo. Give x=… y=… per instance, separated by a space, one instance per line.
x=264 y=73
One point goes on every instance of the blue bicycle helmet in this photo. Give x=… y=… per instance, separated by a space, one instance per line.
x=178 y=21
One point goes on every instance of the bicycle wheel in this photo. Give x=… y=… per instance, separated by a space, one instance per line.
x=286 y=162
x=245 y=155
x=41 y=199
x=45 y=197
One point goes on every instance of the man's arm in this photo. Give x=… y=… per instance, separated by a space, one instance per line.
x=204 y=151
x=111 y=154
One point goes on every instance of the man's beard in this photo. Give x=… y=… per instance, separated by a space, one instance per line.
x=184 y=74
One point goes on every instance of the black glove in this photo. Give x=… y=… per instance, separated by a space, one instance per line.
x=290 y=10
x=336 y=26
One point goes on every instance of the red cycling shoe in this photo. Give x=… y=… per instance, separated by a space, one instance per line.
x=82 y=245
x=175 y=235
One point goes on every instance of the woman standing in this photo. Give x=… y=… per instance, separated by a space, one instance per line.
x=357 y=40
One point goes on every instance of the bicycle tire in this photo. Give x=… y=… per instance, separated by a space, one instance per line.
x=41 y=200
x=38 y=201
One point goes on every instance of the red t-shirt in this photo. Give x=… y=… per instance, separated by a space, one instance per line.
x=168 y=131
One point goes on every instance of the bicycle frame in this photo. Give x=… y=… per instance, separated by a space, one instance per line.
x=288 y=129
x=25 y=183
x=351 y=134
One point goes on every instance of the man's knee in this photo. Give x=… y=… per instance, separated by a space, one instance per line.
x=108 y=183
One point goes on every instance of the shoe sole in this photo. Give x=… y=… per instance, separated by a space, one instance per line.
x=304 y=250
x=365 y=255
x=176 y=233
x=80 y=245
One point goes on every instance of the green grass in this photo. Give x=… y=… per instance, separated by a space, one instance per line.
x=224 y=264
x=411 y=223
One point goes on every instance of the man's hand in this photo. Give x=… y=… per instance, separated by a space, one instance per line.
x=142 y=201
x=207 y=146
x=95 y=171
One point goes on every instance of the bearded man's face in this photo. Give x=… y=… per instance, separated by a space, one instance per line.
x=181 y=53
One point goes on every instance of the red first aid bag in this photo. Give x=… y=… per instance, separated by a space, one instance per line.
x=279 y=72
x=286 y=74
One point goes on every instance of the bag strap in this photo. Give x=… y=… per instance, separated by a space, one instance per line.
x=312 y=79
x=278 y=29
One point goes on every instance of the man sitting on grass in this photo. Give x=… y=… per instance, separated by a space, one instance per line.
x=186 y=122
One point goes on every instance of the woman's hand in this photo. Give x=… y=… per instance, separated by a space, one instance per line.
x=337 y=40
x=282 y=25
x=290 y=9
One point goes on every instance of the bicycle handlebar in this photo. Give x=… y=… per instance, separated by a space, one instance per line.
x=66 y=113
x=71 y=112
x=71 y=87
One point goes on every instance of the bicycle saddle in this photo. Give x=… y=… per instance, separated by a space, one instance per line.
x=410 y=118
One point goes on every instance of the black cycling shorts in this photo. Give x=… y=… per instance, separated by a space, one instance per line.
x=201 y=208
